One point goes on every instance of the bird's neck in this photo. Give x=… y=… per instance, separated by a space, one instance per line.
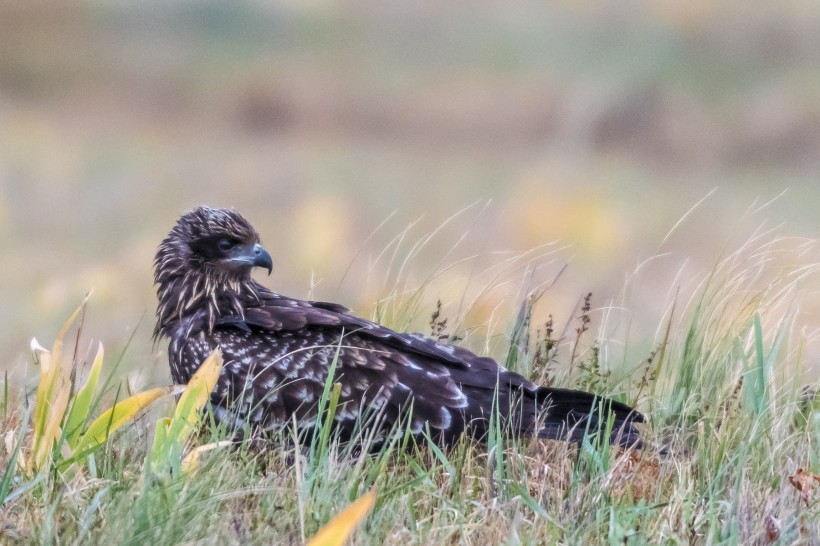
x=204 y=295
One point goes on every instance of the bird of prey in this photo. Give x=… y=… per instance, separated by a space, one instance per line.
x=278 y=352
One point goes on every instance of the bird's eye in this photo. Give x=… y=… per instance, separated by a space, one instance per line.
x=225 y=244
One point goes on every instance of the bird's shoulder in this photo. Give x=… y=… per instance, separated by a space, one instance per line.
x=274 y=314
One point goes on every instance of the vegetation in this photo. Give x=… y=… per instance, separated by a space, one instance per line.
x=733 y=446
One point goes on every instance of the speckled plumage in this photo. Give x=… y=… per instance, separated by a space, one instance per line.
x=278 y=352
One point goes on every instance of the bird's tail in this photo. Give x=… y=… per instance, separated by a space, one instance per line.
x=571 y=415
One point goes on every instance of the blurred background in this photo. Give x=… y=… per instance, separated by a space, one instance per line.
x=381 y=145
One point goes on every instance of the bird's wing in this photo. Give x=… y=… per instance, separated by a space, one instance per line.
x=280 y=314
x=383 y=368
x=276 y=313
x=447 y=385
x=269 y=377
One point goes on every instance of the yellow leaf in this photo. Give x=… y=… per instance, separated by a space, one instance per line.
x=338 y=530
x=118 y=415
x=196 y=394
x=53 y=395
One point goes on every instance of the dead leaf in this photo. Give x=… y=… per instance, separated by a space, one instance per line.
x=772 y=528
x=804 y=482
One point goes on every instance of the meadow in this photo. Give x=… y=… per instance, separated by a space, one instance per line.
x=469 y=170
x=732 y=443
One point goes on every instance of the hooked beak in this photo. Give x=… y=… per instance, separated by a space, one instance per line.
x=261 y=258
x=253 y=255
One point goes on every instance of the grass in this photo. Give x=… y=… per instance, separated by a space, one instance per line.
x=732 y=420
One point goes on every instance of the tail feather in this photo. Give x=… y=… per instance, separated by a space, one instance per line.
x=557 y=414
x=571 y=415
x=563 y=401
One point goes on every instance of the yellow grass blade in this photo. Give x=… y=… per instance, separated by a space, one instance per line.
x=81 y=407
x=191 y=460
x=53 y=395
x=118 y=415
x=338 y=530
x=171 y=435
x=197 y=392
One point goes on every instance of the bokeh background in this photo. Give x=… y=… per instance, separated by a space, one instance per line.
x=374 y=144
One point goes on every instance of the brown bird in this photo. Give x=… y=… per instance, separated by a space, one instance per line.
x=278 y=352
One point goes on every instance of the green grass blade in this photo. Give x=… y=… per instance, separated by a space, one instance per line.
x=81 y=406
x=760 y=369
x=11 y=469
x=320 y=435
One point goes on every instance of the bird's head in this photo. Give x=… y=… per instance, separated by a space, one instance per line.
x=208 y=241
x=207 y=257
